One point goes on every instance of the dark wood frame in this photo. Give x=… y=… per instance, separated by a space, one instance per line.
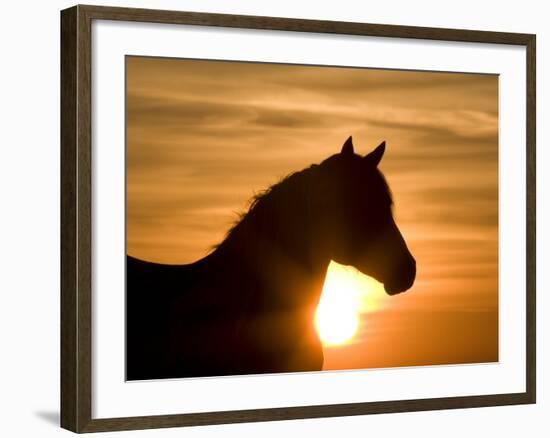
x=76 y=309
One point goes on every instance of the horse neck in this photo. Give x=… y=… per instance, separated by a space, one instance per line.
x=279 y=228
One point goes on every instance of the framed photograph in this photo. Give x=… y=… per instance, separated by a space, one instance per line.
x=269 y=218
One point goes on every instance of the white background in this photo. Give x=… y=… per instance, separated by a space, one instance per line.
x=29 y=232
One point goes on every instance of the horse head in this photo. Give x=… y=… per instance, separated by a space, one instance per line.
x=354 y=219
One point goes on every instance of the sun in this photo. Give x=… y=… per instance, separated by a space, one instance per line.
x=336 y=325
x=346 y=294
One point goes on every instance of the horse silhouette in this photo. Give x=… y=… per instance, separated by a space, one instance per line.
x=248 y=307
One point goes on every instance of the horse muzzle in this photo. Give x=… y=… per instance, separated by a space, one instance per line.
x=403 y=278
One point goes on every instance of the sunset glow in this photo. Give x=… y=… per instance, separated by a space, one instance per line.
x=346 y=294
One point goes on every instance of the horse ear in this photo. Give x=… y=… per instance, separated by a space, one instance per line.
x=374 y=158
x=347 y=148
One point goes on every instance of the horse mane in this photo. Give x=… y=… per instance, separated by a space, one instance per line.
x=265 y=201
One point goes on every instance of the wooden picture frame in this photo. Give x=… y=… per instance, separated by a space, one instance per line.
x=76 y=198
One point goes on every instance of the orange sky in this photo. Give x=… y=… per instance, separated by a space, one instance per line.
x=204 y=136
